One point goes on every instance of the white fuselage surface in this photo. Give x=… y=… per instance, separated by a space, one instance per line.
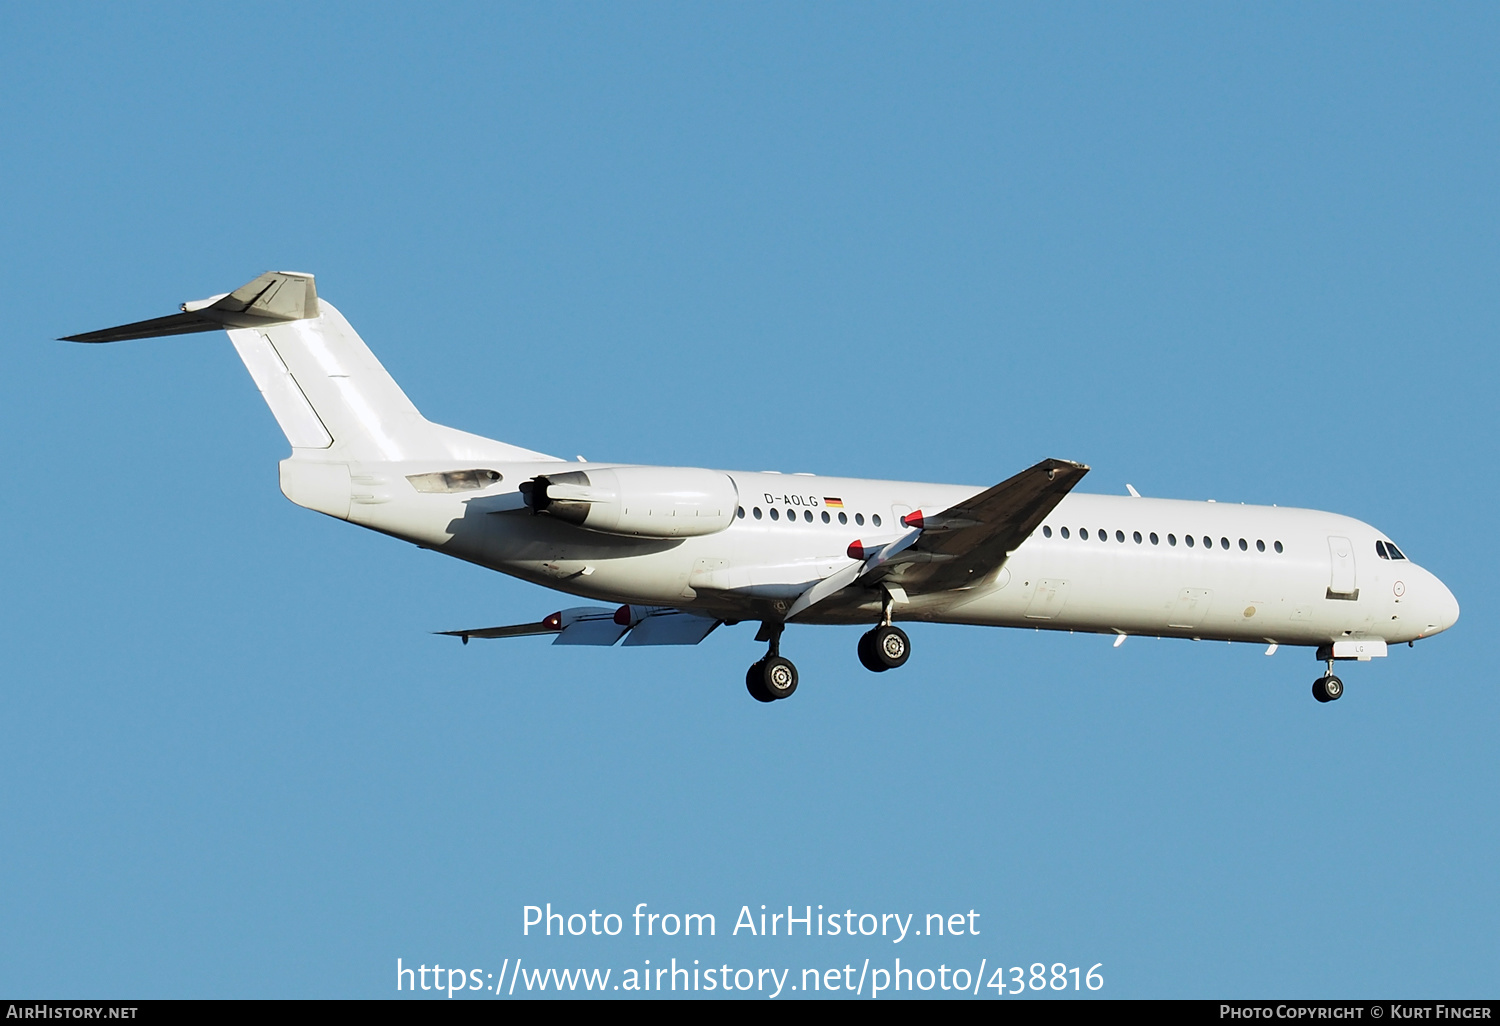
x=1127 y=565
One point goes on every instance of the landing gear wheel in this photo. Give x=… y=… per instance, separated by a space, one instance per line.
x=867 y=657
x=755 y=682
x=884 y=648
x=778 y=677
x=1328 y=689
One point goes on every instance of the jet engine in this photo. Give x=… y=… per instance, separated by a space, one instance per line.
x=644 y=502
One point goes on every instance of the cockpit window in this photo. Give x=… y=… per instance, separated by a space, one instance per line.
x=1395 y=552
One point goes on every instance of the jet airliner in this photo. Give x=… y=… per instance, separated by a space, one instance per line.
x=678 y=551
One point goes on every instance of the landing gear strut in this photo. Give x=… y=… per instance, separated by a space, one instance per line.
x=772 y=677
x=1328 y=688
x=886 y=646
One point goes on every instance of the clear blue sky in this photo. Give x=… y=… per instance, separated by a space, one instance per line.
x=1237 y=252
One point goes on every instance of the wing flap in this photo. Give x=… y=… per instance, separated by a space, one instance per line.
x=671 y=627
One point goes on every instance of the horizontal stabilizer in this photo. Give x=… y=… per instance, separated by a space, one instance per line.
x=273 y=298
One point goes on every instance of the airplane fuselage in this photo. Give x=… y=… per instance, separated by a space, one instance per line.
x=1102 y=563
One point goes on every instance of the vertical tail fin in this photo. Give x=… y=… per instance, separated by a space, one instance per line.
x=333 y=400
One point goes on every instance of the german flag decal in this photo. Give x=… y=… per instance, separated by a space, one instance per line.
x=833 y=503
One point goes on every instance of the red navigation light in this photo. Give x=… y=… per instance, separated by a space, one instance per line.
x=553 y=622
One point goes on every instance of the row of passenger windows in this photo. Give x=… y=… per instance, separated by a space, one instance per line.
x=807 y=516
x=1189 y=540
x=1384 y=549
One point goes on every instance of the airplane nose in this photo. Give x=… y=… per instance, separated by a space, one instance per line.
x=1443 y=612
x=1450 y=608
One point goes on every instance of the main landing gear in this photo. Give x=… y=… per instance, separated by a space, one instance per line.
x=1328 y=688
x=886 y=646
x=774 y=676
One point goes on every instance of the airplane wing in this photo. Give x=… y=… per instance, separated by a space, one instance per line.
x=962 y=545
x=965 y=543
x=605 y=625
x=519 y=630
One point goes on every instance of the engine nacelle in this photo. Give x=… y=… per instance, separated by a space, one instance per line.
x=643 y=502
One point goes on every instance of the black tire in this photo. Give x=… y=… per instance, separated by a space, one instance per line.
x=778 y=677
x=867 y=657
x=890 y=646
x=755 y=682
x=1333 y=688
x=1319 y=690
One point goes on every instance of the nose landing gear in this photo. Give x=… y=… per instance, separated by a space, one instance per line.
x=1328 y=688
x=772 y=677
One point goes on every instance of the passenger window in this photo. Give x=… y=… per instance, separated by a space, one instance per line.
x=859 y=518
x=756 y=512
x=1137 y=537
x=740 y=512
x=807 y=515
x=826 y=517
x=1189 y=540
x=1208 y=542
x=843 y=518
x=1278 y=546
x=774 y=514
x=1083 y=532
x=1154 y=539
x=1046 y=531
x=1224 y=542
x=1103 y=534
x=1172 y=540
x=1260 y=546
x=1064 y=532
x=875 y=519
x=1244 y=546
x=791 y=516
x=1120 y=536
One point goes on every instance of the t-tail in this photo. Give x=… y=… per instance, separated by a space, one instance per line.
x=334 y=402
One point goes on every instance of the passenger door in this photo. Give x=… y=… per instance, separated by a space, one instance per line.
x=1342 y=582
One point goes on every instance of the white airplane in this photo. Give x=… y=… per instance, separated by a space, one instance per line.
x=677 y=551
